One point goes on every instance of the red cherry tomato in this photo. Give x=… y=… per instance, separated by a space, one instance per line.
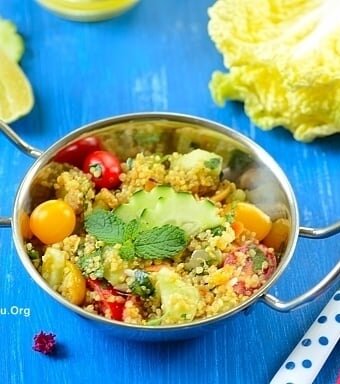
x=105 y=169
x=76 y=152
x=106 y=294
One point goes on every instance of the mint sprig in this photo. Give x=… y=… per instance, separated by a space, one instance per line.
x=160 y=242
x=156 y=243
x=105 y=226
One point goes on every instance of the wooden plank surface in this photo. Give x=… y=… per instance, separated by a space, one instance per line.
x=158 y=57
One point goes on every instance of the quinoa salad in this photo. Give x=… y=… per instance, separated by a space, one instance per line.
x=157 y=239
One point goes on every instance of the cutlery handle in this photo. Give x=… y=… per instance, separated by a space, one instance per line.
x=308 y=357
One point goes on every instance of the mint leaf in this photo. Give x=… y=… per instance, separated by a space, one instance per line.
x=217 y=231
x=258 y=259
x=127 y=250
x=213 y=163
x=132 y=229
x=160 y=242
x=105 y=226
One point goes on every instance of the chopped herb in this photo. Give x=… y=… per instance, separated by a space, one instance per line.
x=142 y=285
x=217 y=231
x=91 y=264
x=127 y=250
x=160 y=242
x=258 y=260
x=33 y=254
x=105 y=226
x=239 y=160
x=213 y=163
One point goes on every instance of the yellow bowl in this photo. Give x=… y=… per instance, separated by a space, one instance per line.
x=87 y=10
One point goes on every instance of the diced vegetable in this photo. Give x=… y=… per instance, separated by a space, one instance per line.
x=63 y=276
x=114 y=266
x=53 y=264
x=110 y=302
x=142 y=285
x=179 y=298
x=199 y=158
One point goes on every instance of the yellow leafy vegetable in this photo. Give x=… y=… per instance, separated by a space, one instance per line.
x=284 y=62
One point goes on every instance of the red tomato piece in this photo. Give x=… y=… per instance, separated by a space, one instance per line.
x=76 y=152
x=105 y=169
x=106 y=294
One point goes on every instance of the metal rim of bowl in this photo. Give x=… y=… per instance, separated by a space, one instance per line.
x=147 y=116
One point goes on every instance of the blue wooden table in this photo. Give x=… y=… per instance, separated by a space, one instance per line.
x=157 y=57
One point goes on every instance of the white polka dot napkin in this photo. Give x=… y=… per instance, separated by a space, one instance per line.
x=308 y=357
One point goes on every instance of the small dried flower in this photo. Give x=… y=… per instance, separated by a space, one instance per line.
x=44 y=342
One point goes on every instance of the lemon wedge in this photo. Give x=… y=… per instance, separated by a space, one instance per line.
x=10 y=40
x=16 y=96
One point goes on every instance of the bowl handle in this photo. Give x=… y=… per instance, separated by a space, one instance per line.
x=18 y=142
x=331 y=277
x=24 y=147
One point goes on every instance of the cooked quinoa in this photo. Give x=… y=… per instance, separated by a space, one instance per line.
x=220 y=260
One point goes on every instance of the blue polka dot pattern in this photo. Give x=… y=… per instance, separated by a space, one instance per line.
x=306 y=363
x=322 y=319
x=290 y=365
x=337 y=297
x=306 y=342
x=323 y=340
x=337 y=318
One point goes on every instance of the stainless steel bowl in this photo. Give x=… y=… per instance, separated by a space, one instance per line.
x=267 y=185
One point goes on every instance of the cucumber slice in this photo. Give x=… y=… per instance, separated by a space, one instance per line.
x=141 y=200
x=184 y=211
x=163 y=205
x=11 y=43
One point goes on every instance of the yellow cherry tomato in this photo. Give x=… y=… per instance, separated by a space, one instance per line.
x=253 y=219
x=63 y=275
x=52 y=221
x=277 y=236
x=73 y=287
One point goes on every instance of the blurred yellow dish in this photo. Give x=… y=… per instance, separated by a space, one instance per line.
x=88 y=10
